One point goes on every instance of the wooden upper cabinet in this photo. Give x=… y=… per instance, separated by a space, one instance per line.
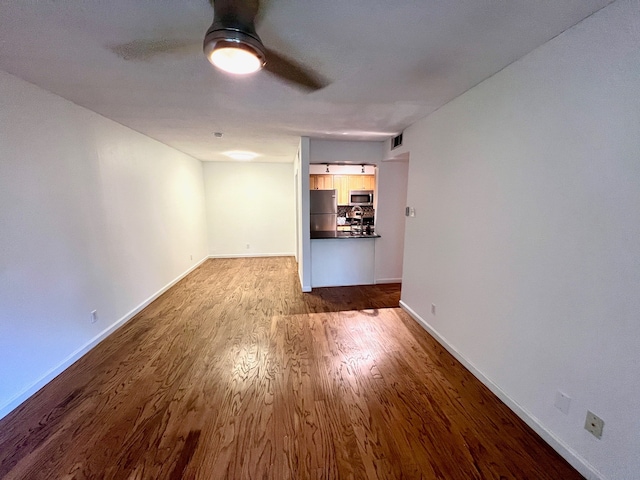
x=325 y=182
x=370 y=182
x=321 y=182
x=362 y=182
x=341 y=184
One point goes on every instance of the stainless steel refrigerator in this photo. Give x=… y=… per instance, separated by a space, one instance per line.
x=324 y=211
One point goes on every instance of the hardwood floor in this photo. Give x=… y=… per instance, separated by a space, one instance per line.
x=234 y=373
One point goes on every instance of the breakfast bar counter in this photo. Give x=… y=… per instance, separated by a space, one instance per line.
x=341 y=259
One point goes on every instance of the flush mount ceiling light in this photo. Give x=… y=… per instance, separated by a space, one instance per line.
x=241 y=155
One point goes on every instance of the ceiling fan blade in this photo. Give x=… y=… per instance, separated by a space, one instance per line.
x=293 y=72
x=145 y=49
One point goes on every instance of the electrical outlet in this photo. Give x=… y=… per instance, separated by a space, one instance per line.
x=94 y=316
x=191 y=256
x=563 y=402
x=433 y=309
x=248 y=246
x=594 y=424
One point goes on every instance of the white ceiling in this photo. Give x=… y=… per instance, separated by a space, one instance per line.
x=390 y=63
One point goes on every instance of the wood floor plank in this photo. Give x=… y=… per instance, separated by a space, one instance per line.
x=234 y=373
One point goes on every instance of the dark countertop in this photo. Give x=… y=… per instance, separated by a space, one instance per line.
x=332 y=234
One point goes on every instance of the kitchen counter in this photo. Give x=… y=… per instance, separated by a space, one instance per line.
x=333 y=234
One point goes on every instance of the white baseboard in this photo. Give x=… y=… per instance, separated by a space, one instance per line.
x=570 y=455
x=252 y=255
x=388 y=280
x=22 y=396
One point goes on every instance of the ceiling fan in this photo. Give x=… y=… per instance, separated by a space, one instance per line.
x=232 y=44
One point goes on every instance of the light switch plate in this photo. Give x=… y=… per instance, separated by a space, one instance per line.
x=563 y=402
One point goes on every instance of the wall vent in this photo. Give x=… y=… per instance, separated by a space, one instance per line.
x=396 y=141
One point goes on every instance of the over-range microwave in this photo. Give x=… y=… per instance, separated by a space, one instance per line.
x=363 y=198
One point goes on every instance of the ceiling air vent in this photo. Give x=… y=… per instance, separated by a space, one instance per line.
x=396 y=141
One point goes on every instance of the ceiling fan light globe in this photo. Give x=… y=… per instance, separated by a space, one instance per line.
x=235 y=51
x=235 y=59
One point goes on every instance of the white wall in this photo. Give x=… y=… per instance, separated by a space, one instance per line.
x=390 y=220
x=304 y=235
x=334 y=151
x=526 y=235
x=250 y=203
x=93 y=216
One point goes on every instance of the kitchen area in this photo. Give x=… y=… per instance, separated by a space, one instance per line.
x=350 y=246
x=342 y=224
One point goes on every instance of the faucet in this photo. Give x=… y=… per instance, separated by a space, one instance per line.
x=357 y=213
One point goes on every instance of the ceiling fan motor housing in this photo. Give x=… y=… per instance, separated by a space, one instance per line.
x=233 y=34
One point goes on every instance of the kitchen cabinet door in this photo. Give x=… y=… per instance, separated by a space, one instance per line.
x=369 y=182
x=341 y=184
x=362 y=182
x=321 y=182
x=325 y=182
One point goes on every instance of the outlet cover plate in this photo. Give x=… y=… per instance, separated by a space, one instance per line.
x=594 y=424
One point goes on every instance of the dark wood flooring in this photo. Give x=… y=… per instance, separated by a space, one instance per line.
x=234 y=373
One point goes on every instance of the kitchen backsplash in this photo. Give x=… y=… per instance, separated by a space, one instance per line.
x=343 y=210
